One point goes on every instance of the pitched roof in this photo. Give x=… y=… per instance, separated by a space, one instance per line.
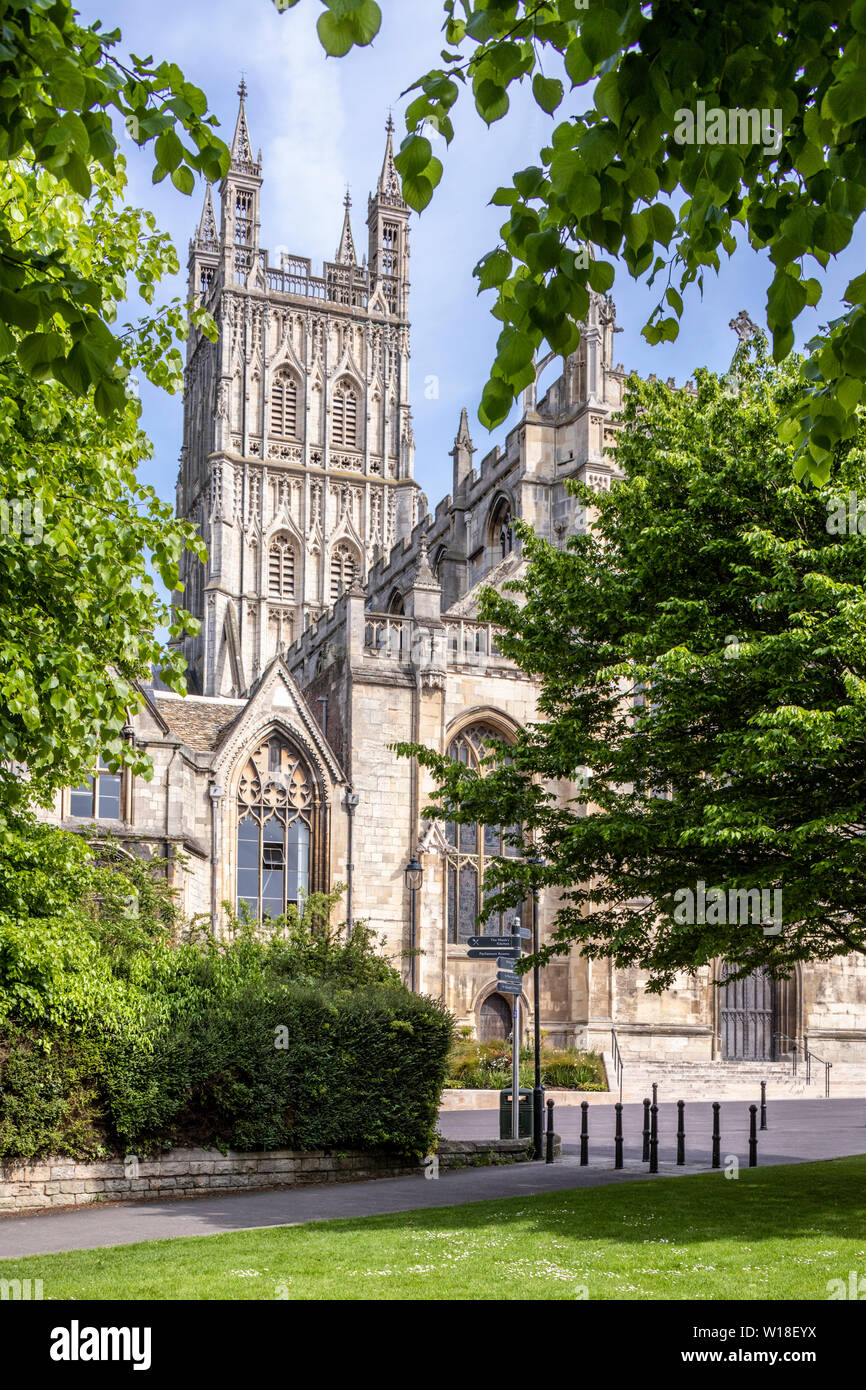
x=199 y=721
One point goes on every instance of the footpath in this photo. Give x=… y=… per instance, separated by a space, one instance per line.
x=800 y=1131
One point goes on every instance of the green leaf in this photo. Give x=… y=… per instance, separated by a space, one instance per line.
x=366 y=22
x=491 y=101
x=109 y=396
x=608 y=96
x=414 y=155
x=578 y=64
x=497 y=399
x=542 y=250
x=77 y=175
x=494 y=269
x=19 y=309
x=168 y=150
x=513 y=351
x=38 y=351
x=846 y=100
x=183 y=179
x=601 y=276
x=335 y=35
x=548 y=92
x=417 y=190
x=785 y=299
x=855 y=292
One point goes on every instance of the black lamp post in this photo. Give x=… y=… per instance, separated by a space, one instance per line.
x=538 y=1092
x=413 y=875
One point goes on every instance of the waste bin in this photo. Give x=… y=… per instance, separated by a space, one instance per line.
x=524 y=1113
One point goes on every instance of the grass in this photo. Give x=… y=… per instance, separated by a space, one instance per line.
x=774 y=1233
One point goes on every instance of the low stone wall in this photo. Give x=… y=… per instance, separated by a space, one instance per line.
x=465 y=1099
x=58 y=1182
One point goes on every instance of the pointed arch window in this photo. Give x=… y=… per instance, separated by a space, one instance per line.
x=281 y=568
x=472 y=847
x=344 y=416
x=284 y=406
x=275 y=830
x=243 y=216
x=501 y=533
x=437 y=562
x=344 y=567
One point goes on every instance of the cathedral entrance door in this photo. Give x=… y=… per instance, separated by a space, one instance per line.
x=748 y=1017
x=495 y=1021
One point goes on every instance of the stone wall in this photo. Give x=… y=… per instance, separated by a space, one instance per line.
x=60 y=1182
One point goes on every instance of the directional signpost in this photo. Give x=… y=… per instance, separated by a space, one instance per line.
x=505 y=950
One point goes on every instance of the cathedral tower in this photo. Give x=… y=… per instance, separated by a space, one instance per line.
x=298 y=454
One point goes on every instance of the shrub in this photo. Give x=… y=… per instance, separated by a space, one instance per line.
x=115 y=1038
x=487 y=1066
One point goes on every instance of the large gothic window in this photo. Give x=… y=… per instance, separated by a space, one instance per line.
x=281 y=568
x=472 y=847
x=284 y=406
x=343 y=568
x=275 y=810
x=344 y=417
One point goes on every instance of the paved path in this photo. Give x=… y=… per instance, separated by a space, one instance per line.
x=800 y=1130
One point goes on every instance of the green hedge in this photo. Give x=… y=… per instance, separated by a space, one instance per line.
x=116 y=1037
x=362 y=1069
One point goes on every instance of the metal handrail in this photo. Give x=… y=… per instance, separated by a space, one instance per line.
x=808 y=1055
x=617 y=1060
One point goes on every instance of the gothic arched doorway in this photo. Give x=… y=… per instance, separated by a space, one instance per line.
x=747 y=1016
x=494 y=1019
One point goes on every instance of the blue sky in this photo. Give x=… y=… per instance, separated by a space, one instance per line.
x=320 y=124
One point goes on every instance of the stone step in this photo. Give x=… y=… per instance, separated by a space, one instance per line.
x=705 y=1080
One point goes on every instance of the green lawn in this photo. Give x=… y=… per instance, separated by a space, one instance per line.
x=773 y=1233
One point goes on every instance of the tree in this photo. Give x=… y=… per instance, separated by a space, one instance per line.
x=706 y=120
x=701 y=659
x=79 y=534
x=59 y=85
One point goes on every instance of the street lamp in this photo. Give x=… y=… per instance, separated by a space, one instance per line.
x=413 y=876
x=538 y=1092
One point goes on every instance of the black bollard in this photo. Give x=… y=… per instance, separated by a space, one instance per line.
x=549 y=1155
x=654 y=1141
x=681 y=1132
x=646 y=1130
x=584 y=1133
x=655 y=1093
x=763 y=1105
x=617 y=1139
x=717 y=1138
x=753 y=1136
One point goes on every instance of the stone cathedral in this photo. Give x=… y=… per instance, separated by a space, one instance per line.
x=339 y=616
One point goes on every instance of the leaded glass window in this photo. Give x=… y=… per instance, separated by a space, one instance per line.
x=471 y=848
x=275 y=800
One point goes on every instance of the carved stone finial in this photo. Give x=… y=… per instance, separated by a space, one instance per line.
x=463 y=436
x=423 y=570
x=242 y=89
x=346 y=254
x=743 y=326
